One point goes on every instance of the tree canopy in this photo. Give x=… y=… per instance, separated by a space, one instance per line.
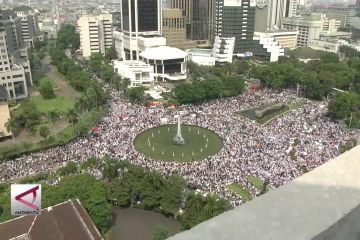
x=67 y=37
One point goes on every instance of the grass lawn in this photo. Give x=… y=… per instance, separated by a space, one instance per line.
x=240 y=190
x=258 y=183
x=5 y=203
x=199 y=143
x=59 y=103
x=270 y=115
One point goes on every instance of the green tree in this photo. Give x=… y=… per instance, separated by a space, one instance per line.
x=106 y=72
x=82 y=104
x=136 y=94
x=346 y=106
x=31 y=127
x=67 y=37
x=96 y=62
x=92 y=96
x=44 y=132
x=199 y=209
x=232 y=86
x=70 y=168
x=111 y=53
x=110 y=171
x=53 y=116
x=47 y=90
x=330 y=57
x=73 y=118
x=91 y=192
x=160 y=233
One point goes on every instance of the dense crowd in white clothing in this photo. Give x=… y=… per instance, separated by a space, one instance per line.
x=278 y=152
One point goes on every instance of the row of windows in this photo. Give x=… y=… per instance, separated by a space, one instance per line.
x=9 y=84
x=14 y=76
x=174 y=22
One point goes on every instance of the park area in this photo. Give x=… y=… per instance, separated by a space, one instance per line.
x=265 y=113
x=157 y=143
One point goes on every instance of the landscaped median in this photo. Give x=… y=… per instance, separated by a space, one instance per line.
x=245 y=193
x=69 y=133
x=268 y=112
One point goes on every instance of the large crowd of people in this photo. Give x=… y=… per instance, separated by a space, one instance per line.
x=277 y=152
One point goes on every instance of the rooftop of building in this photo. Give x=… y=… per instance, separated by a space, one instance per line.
x=131 y=63
x=282 y=31
x=4 y=117
x=321 y=204
x=67 y=220
x=163 y=53
x=333 y=34
x=199 y=51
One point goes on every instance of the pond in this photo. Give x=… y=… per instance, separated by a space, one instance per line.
x=138 y=224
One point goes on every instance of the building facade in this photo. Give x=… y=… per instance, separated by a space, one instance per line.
x=285 y=38
x=169 y=63
x=138 y=72
x=96 y=34
x=201 y=56
x=12 y=75
x=269 y=13
x=174 y=28
x=199 y=18
x=29 y=26
x=140 y=18
x=118 y=44
x=344 y=14
x=310 y=27
x=323 y=45
x=223 y=49
x=236 y=18
x=15 y=71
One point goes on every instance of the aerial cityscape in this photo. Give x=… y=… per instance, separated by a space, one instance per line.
x=166 y=119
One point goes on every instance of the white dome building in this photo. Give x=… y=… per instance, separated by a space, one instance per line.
x=169 y=63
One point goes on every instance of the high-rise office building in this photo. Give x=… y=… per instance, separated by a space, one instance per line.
x=11 y=25
x=269 y=13
x=141 y=15
x=173 y=28
x=199 y=17
x=12 y=74
x=186 y=6
x=15 y=71
x=96 y=34
x=140 y=26
x=29 y=24
x=236 y=18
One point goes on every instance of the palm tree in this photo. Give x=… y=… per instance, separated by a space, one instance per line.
x=73 y=117
x=11 y=126
x=53 y=116
x=82 y=104
x=92 y=95
x=32 y=130
x=31 y=127
x=110 y=170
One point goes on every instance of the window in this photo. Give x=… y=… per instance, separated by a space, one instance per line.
x=137 y=76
